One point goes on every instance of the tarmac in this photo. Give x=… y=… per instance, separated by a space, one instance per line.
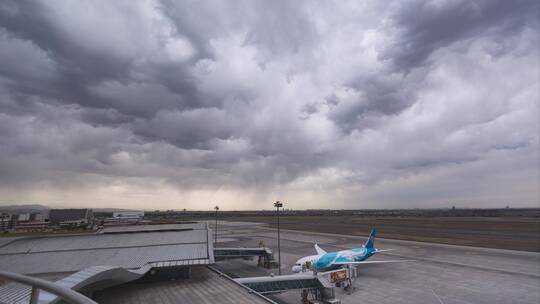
x=441 y=273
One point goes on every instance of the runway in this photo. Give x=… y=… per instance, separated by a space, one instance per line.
x=441 y=273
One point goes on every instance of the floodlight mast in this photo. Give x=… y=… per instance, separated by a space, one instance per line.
x=278 y=204
x=215 y=228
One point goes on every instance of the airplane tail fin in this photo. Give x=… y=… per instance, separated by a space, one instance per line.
x=319 y=250
x=371 y=239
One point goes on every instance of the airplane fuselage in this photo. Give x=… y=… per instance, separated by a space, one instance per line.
x=329 y=260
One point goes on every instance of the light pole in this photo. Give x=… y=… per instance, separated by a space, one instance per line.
x=215 y=228
x=278 y=204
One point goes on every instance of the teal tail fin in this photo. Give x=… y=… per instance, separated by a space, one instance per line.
x=371 y=240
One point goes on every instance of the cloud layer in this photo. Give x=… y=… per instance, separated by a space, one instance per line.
x=166 y=104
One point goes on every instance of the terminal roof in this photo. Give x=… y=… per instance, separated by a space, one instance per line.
x=129 y=250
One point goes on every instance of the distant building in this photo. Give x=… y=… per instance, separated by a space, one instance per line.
x=71 y=217
x=123 y=218
x=38 y=217
x=30 y=222
x=24 y=217
x=7 y=221
x=31 y=225
x=128 y=215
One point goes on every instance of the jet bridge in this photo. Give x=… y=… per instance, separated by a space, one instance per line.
x=266 y=257
x=275 y=284
x=321 y=285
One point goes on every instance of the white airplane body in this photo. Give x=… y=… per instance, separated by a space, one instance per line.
x=325 y=261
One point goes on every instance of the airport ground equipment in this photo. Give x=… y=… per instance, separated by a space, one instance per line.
x=320 y=285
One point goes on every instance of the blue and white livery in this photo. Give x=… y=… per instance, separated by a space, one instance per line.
x=325 y=261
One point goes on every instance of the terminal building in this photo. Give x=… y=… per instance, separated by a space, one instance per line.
x=129 y=215
x=123 y=218
x=71 y=217
x=158 y=263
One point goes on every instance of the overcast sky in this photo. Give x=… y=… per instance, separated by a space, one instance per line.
x=321 y=104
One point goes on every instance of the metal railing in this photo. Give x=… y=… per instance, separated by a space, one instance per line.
x=65 y=293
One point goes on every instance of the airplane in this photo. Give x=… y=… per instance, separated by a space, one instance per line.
x=326 y=261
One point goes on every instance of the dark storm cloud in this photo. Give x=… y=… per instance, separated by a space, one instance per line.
x=82 y=66
x=277 y=26
x=422 y=27
x=376 y=95
x=257 y=95
x=75 y=65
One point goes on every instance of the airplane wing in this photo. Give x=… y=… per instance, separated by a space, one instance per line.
x=382 y=250
x=319 y=250
x=371 y=262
